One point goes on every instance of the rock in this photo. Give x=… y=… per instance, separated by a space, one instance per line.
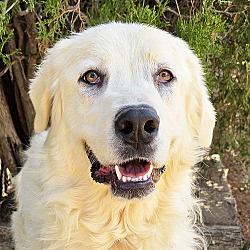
x=219 y=206
x=5 y=238
x=246 y=245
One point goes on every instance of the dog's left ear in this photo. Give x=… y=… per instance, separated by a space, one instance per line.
x=206 y=115
x=200 y=111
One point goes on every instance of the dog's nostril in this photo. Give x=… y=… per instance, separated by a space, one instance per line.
x=151 y=126
x=126 y=127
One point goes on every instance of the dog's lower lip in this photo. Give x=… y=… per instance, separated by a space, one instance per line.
x=134 y=178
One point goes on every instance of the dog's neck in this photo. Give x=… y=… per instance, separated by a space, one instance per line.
x=124 y=218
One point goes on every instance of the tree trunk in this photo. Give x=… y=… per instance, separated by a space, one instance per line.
x=16 y=110
x=10 y=144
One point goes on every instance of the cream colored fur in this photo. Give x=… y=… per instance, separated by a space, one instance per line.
x=59 y=206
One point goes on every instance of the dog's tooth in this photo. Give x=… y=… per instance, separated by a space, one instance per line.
x=129 y=178
x=118 y=173
x=140 y=178
x=145 y=177
x=150 y=171
x=134 y=179
x=124 y=178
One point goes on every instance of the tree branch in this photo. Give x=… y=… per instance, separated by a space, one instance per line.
x=5 y=70
x=176 y=13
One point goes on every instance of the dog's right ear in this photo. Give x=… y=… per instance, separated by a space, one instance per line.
x=45 y=84
x=41 y=95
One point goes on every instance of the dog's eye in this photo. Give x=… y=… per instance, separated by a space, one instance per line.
x=164 y=76
x=91 y=77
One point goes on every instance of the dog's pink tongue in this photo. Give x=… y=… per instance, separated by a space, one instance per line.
x=134 y=169
x=104 y=170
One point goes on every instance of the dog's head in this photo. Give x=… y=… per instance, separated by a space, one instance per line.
x=132 y=95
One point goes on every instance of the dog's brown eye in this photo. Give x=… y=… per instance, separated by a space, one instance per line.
x=164 y=76
x=91 y=77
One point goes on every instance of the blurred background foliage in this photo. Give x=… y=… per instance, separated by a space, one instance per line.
x=218 y=32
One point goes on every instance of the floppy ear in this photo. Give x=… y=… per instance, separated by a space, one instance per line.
x=206 y=117
x=200 y=110
x=41 y=96
x=43 y=88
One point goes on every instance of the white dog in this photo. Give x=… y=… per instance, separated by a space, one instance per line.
x=128 y=116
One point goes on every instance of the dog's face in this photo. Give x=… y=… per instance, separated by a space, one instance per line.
x=129 y=93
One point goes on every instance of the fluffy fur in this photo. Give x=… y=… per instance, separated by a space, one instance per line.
x=59 y=206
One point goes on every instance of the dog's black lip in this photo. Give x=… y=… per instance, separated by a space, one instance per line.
x=126 y=190
x=132 y=185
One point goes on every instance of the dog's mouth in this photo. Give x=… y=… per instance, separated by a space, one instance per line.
x=134 y=178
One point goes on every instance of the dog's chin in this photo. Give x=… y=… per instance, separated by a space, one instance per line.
x=133 y=178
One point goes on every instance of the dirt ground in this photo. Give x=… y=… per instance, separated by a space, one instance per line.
x=236 y=176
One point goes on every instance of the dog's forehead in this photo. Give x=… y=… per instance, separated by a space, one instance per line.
x=116 y=48
x=117 y=41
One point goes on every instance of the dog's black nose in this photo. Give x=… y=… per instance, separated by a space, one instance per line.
x=137 y=125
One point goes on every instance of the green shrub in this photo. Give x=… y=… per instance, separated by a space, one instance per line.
x=128 y=11
x=221 y=40
x=6 y=32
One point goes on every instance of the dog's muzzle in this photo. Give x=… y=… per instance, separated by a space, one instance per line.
x=135 y=175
